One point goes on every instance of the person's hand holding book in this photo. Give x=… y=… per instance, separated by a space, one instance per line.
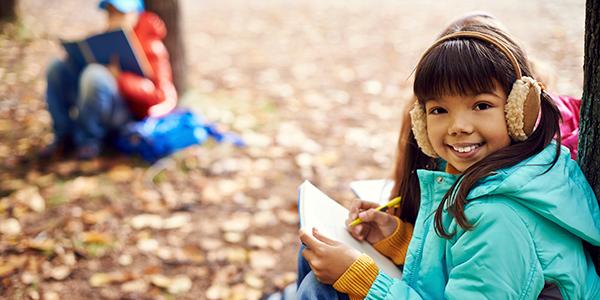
x=375 y=225
x=328 y=259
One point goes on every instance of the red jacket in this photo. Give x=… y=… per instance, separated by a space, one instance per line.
x=154 y=95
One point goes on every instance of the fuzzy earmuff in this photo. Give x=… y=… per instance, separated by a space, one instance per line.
x=419 y=128
x=522 y=106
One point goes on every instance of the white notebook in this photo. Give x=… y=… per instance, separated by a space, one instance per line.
x=374 y=190
x=318 y=210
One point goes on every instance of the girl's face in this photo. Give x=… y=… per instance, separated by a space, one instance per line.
x=465 y=129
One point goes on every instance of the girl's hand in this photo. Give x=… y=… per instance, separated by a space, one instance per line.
x=375 y=226
x=328 y=259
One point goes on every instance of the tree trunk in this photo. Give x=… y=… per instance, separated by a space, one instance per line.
x=8 y=10
x=169 y=12
x=589 y=133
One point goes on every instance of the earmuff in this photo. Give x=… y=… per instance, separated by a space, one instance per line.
x=522 y=106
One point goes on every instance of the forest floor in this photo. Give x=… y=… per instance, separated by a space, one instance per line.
x=314 y=87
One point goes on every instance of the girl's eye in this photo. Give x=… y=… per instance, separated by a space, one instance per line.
x=436 y=111
x=482 y=106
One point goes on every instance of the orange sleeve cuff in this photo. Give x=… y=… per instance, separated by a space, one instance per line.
x=358 y=278
x=395 y=246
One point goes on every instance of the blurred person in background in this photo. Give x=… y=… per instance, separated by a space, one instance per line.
x=88 y=105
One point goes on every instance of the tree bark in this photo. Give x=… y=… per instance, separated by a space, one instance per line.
x=589 y=137
x=8 y=10
x=589 y=128
x=169 y=12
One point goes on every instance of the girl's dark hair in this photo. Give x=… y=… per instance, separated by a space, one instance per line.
x=465 y=66
x=409 y=159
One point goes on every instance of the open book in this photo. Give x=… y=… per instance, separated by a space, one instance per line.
x=374 y=190
x=102 y=48
x=318 y=210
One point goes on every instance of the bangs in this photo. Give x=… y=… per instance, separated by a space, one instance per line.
x=463 y=67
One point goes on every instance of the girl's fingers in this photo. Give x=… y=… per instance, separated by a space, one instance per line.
x=358 y=229
x=364 y=205
x=354 y=210
x=355 y=206
x=351 y=217
x=371 y=215
x=362 y=231
x=309 y=240
x=309 y=255
x=354 y=232
x=323 y=238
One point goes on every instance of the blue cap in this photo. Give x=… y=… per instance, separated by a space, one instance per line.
x=124 y=6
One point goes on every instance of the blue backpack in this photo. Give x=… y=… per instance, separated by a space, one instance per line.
x=154 y=138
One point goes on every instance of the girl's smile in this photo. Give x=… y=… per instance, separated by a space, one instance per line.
x=465 y=129
x=466 y=150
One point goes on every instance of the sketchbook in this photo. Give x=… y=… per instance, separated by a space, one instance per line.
x=374 y=190
x=318 y=210
x=101 y=48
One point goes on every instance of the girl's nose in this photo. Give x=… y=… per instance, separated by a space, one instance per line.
x=460 y=125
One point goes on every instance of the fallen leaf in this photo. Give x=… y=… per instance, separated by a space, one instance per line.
x=210 y=244
x=262 y=260
x=60 y=272
x=28 y=278
x=237 y=223
x=210 y=194
x=146 y=221
x=69 y=259
x=33 y=294
x=11 y=264
x=81 y=187
x=147 y=245
x=44 y=245
x=243 y=292
x=125 y=260
x=176 y=221
x=103 y=279
x=51 y=295
x=283 y=280
x=10 y=226
x=217 y=291
x=31 y=197
x=180 y=284
x=194 y=254
x=233 y=237
x=258 y=241
x=121 y=173
x=135 y=286
x=236 y=255
x=92 y=218
x=160 y=280
x=264 y=218
x=288 y=217
x=94 y=237
x=254 y=281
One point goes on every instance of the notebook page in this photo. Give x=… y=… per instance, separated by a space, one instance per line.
x=318 y=210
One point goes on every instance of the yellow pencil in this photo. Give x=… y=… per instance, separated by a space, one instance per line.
x=390 y=204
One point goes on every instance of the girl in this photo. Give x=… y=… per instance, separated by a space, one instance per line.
x=509 y=216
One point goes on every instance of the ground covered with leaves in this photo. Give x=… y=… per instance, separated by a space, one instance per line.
x=314 y=87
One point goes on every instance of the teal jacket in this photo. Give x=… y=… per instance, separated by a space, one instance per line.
x=529 y=227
